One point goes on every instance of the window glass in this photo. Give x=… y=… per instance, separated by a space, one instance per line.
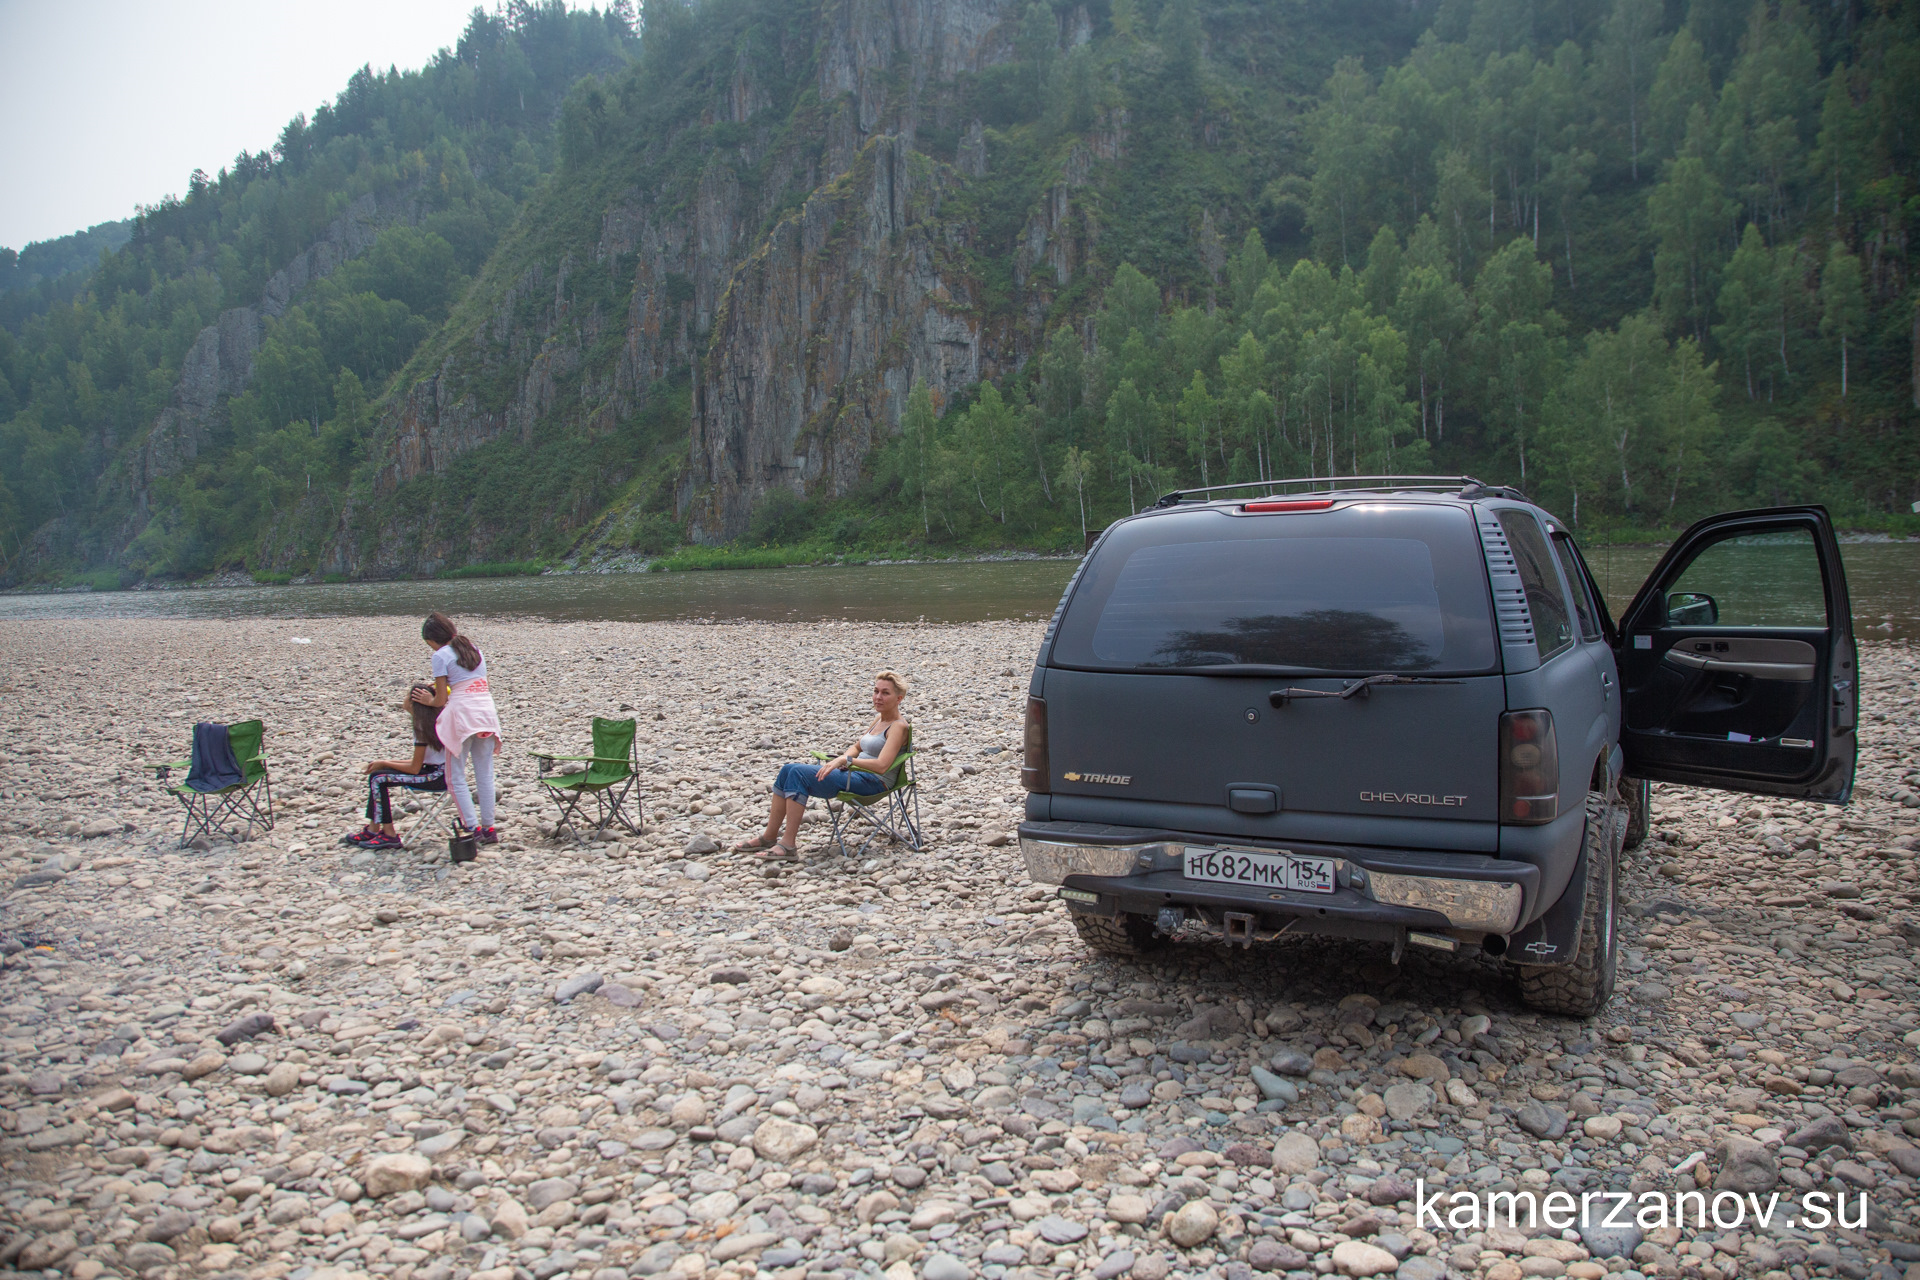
x=1360 y=589
x=1577 y=583
x=1769 y=580
x=1552 y=623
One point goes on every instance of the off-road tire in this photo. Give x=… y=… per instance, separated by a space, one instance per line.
x=1637 y=794
x=1582 y=989
x=1126 y=935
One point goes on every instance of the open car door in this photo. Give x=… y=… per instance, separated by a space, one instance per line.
x=1738 y=660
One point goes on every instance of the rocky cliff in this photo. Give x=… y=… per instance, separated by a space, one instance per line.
x=801 y=332
x=822 y=331
x=757 y=239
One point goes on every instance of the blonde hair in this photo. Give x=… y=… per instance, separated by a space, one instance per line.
x=898 y=681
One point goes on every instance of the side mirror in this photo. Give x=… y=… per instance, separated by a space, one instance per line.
x=1692 y=609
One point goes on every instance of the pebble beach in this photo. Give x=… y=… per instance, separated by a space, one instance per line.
x=642 y=1055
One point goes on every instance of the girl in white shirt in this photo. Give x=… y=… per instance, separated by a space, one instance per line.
x=469 y=724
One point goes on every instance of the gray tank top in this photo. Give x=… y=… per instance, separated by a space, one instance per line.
x=871 y=745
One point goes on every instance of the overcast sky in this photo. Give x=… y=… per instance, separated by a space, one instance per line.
x=111 y=103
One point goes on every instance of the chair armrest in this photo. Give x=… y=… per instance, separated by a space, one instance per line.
x=547 y=761
x=866 y=766
x=160 y=771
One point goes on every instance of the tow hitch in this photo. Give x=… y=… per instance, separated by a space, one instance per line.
x=1237 y=926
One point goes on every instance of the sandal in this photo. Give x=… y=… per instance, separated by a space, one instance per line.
x=755 y=845
x=780 y=849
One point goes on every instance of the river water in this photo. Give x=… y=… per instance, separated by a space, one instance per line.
x=1884 y=578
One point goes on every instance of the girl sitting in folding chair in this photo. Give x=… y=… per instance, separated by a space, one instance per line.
x=427 y=771
x=866 y=768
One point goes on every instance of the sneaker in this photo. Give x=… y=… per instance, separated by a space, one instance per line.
x=488 y=835
x=381 y=841
x=359 y=837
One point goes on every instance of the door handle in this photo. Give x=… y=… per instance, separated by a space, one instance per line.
x=1606 y=686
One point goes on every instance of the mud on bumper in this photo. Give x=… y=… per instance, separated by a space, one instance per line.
x=1379 y=893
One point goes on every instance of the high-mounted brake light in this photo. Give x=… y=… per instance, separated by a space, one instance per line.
x=1529 y=768
x=1275 y=508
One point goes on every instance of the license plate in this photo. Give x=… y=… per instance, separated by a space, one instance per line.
x=1262 y=870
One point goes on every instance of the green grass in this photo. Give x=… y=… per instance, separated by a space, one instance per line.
x=497 y=569
x=97 y=580
x=689 y=559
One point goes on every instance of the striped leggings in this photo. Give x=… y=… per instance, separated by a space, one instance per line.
x=380 y=806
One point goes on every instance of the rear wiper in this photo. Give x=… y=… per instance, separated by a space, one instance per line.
x=1353 y=688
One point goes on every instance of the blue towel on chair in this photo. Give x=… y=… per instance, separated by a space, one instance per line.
x=213 y=767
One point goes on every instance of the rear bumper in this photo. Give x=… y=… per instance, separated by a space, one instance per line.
x=1138 y=870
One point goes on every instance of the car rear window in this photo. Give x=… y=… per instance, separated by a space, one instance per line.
x=1364 y=588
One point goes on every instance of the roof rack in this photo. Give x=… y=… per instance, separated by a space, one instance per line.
x=1464 y=486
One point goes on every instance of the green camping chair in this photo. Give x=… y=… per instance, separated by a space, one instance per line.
x=893 y=813
x=231 y=811
x=609 y=777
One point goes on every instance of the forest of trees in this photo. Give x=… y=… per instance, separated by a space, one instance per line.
x=48 y=271
x=1642 y=268
x=84 y=370
x=1643 y=258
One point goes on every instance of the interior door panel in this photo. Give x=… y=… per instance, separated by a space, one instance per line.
x=1738 y=660
x=1732 y=687
x=1683 y=708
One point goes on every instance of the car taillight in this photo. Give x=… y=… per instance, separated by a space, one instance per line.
x=1034 y=772
x=1529 y=768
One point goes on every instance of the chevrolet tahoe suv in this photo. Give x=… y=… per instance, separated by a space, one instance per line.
x=1398 y=709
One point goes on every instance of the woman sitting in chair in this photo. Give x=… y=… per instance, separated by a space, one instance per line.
x=866 y=768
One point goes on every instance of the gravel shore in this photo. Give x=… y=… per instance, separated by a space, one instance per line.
x=606 y=1060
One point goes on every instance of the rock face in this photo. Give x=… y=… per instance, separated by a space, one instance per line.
x=859 y=266
x=804 y=331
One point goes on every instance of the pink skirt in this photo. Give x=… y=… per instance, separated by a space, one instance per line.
x=469 y=713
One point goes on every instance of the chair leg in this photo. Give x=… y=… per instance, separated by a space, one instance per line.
x=188 y=830
x=616 y=807
x=910 y=810
x=246 y=808
x=569 y=810
x=606 y=808
x=426 y=817
x=841 y=823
